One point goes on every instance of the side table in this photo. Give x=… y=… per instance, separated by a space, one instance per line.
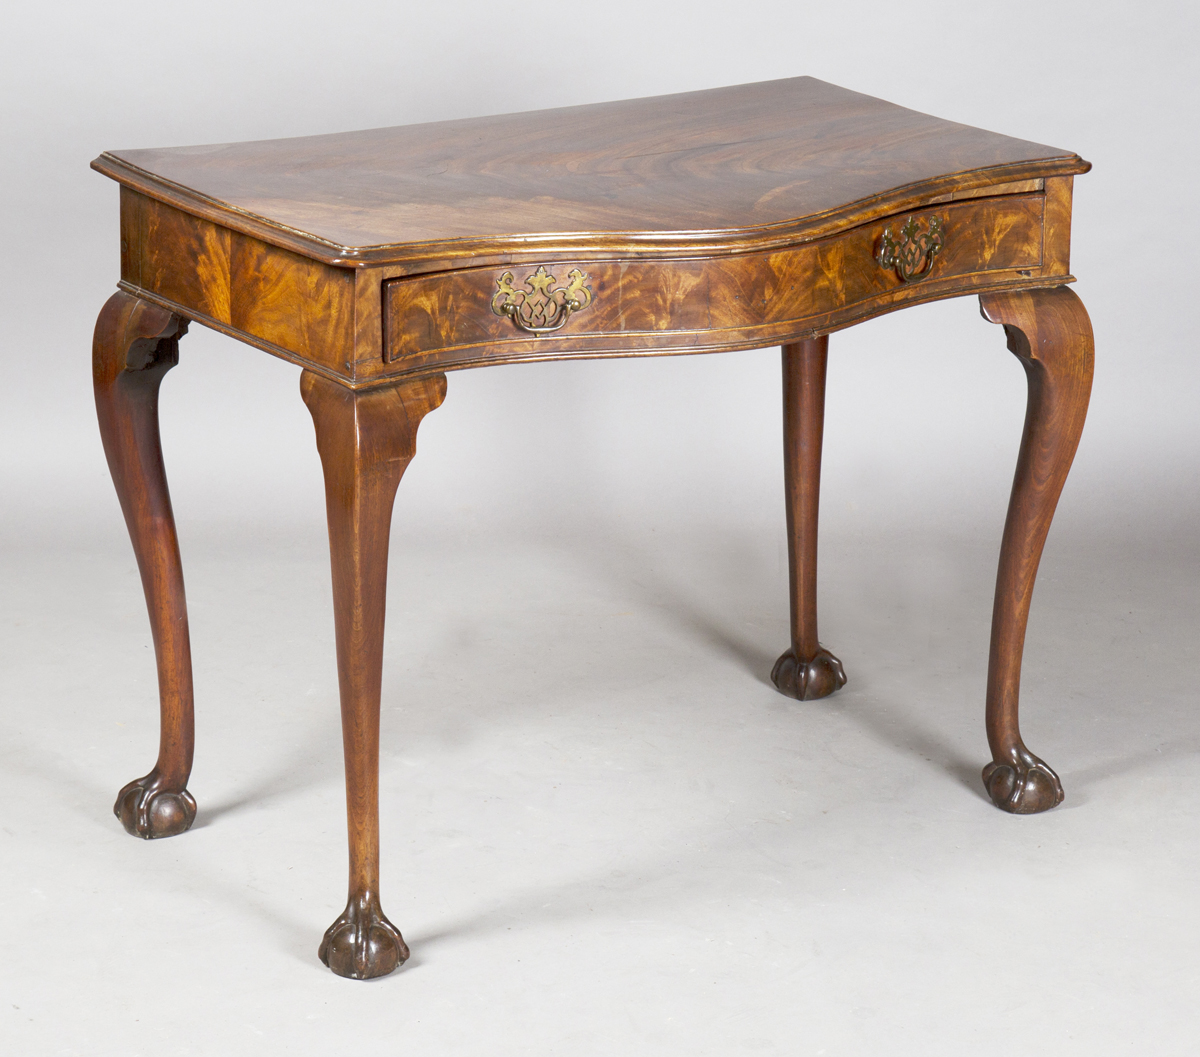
x=745 y=217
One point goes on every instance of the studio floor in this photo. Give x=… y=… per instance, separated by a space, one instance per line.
x=603 y=831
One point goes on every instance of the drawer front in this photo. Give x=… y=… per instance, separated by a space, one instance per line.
x=595 y=308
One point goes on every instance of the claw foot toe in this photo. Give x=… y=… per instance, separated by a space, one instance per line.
x=146 y=810
x=362 y=943
x=808 y=680
x=1024 y=785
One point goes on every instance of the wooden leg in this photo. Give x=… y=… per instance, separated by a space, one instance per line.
x=366 y=439
x=135 y=344
x=1050 y=333
x=806 y=671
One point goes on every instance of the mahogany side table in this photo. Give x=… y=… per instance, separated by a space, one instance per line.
x=745 y=217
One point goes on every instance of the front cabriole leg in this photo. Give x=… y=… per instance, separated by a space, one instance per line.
x=1050 y=333
x=366 y=439
x=135 y=344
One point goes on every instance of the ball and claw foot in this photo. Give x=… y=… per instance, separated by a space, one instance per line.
x=1023 y=785
x=808 y=680
x=147 y=810
x=362 y=943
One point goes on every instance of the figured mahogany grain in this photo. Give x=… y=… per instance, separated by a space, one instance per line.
x=764 y=161
x=445 y=321
x=184 y=259
x=733 y=218
x=298 y=308
x=1056 y=241
x=1050 y=333
x=135 y=344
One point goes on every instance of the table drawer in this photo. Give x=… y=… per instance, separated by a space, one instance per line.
x=602 y=307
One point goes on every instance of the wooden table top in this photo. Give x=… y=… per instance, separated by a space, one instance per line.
x=741 y=167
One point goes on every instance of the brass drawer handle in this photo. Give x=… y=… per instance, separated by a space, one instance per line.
x=912 y=256
x=542 y=308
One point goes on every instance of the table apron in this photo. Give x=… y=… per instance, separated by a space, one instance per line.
x=369 y=326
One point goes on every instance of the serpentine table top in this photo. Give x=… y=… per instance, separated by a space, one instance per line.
x=756 y=179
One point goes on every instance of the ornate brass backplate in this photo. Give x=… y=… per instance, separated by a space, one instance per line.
x=541 y=308
x=912 y=255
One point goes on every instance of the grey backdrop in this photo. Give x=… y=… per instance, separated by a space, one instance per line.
x=592 y=555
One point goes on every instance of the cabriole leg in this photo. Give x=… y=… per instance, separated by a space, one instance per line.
x=1050 y=333
x=807 y=670
x=366 y=439
x=135 y=344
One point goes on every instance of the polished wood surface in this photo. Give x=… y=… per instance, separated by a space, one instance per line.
x=287 y=304
x=806 y=670
x=1050 y=333
x=135 y=344
x=445 y=321
x=368 y=326
x=733 y=218
x=741 y=217
x=366 y=441
x=767 y=161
